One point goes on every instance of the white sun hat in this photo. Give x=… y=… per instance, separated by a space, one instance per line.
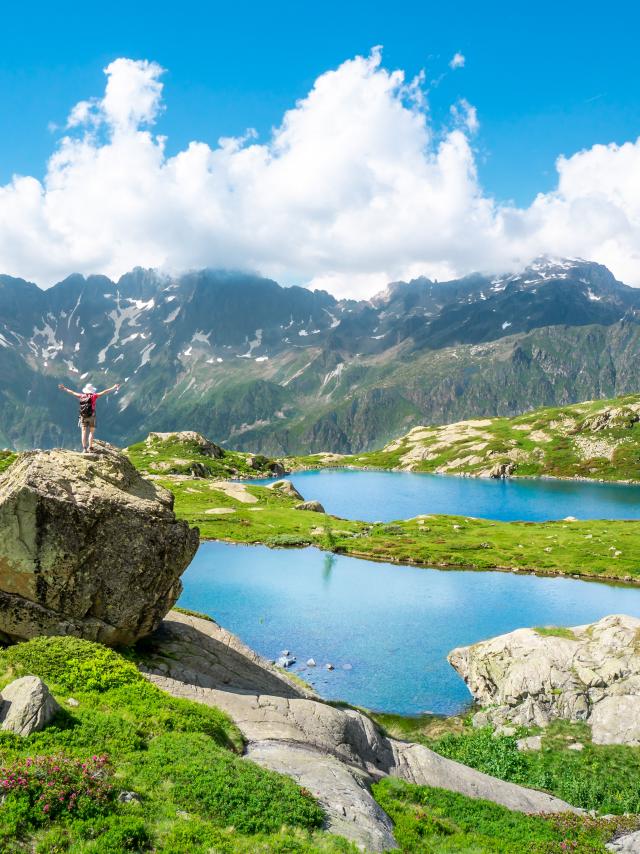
x=89 y=389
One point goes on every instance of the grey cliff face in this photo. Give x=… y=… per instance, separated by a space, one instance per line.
x=590 y=675
x=87 y=548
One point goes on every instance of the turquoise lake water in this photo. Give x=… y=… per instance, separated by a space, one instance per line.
x=387 y=629
x=384 y=496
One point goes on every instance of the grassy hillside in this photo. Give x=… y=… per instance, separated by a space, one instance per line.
x=124 y=767
x=192 y=791
x=188 y=453
x=598 y=440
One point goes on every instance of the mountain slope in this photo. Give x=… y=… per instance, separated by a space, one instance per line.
x=287 y=370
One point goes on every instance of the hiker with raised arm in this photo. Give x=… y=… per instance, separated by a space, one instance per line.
x=87 y=419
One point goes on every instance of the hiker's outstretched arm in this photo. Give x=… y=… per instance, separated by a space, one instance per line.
x=107 y=390
x=69 y=391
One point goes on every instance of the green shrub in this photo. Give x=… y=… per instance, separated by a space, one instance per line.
x=284 y=541
x=602 y=778
x=124 y=833
x=72 y=664
x=479 y=748
x=434 y=820
x=54 y=786
x=223 y=788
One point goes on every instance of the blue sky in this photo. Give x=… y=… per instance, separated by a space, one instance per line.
x=530 y=146
x=546 y=78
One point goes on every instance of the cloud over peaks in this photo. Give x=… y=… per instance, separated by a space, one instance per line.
x=355 y=187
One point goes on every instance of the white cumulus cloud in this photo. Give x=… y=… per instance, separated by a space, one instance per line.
x=457 y=60
x=354 y=188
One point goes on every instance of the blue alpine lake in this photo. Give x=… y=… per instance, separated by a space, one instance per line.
x=387 y=495
x=386 y=629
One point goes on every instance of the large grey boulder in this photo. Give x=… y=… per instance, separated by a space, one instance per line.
x=589 y=673
x=87 y=547
x=26 y=706
x=335 y=753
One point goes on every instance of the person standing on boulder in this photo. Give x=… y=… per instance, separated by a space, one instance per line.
x=87 y=420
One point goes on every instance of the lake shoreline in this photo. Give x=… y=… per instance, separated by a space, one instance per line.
x=609 y=580
x=508 y=477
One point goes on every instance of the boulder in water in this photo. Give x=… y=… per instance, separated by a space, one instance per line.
x=87 y=547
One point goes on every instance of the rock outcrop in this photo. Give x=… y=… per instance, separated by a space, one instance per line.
x=588 y=673
x=26 y=706
x=87 y=547
x=335 y=753
x=205 y=446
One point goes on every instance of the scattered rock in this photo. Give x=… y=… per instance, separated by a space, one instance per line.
x=72 y=702
x=219 y=511
x=627 y=844
x=504 y=730
x=286 y=660
x=199 y=470
x=575 y=746
x=502 y=470
x=311 y=662
x=129 y=798
x=330 y=666
x=27 y=706
x=286 y=488
x=314 y=506
x=78 y=533
x=531 y=742
x=529 y=679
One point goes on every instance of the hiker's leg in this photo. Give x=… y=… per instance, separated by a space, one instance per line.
x=92 y=430
x=83 y=433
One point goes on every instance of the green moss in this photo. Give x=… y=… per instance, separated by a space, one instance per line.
x=6 y=459
x=190 y=613
x=555 y=632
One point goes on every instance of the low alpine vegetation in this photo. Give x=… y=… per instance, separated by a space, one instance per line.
x=126 y=767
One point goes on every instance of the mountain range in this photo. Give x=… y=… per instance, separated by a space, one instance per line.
x=284 y=370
